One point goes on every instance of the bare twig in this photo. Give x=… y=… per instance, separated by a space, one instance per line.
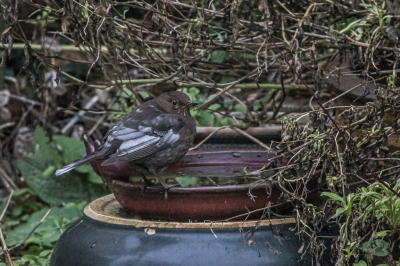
x=3 y=242
x=7 y=181
x=251 y=137
x=75 y=119
x=6 y=206
x=5 y=249
x=340 y=130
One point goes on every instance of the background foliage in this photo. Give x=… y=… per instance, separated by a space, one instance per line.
x=77 y=66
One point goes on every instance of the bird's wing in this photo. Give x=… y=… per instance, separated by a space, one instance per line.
x=139 y=139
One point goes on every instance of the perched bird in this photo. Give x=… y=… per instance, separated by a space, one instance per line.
x=153 y=136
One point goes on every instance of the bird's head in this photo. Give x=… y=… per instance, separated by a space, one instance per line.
x=175 y=102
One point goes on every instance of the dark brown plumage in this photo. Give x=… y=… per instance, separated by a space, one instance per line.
x=153 y=136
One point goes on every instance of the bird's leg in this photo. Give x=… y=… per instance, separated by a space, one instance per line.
x=162 y=181
x=165 y=185
x=147 y=183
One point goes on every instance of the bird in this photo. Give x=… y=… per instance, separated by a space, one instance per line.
x=153 y=136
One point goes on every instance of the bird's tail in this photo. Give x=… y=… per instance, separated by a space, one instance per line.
x=76 y=164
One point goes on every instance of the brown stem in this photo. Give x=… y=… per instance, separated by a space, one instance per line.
x=340 y=130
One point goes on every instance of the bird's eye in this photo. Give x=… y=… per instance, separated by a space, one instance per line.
x=174 y=102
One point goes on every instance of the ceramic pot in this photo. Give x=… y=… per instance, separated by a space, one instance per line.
x=106 y=236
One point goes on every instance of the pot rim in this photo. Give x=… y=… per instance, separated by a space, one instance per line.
x=187 y=190
x=105 y=209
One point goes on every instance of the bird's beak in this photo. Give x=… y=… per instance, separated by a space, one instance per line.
x=192 y=103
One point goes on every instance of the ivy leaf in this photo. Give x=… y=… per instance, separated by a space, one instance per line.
x=214 y=106
x=224 y=122
x=188 y=181
x=219 y=56
x=205 y=118
x=360 y=263
x=381 y=249
x=240 y=108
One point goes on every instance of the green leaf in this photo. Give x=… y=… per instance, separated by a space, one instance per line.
x=49 y=171
x=44 y=151
x=360 y=263
x=72 y=149
x=188 y=181
x=211 y=96
x=219 y=56
x=193 y=112
x=365 y=246
x=241 y=108
x=45 y=253
x=333 y=196
x=381 y=249
x=256 y=106
x=205 y=118
x=16 y=211
x=382 y=233
x=339 y=211
x=94 y=178
x=20 y=192
x=214 y=106
x=38 y=171
x=224 y=122
x=194 y=93
x=144 y=94
x=47 y=233
x=55 y=190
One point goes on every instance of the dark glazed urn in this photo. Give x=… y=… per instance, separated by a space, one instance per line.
x=105 y=235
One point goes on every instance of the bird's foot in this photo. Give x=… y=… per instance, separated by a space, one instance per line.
x=146 y=183
x=162 y=182
x=167 y=187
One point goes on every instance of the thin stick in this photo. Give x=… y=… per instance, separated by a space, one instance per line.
x=75 y=119
x=209 y=136
x=9 y=124
x=8 y=182
x=251 y=137
x=3 y=242
x=340 y=130
x=207 y=104
x=349 y=90
x=5 y=249
x=6 y=207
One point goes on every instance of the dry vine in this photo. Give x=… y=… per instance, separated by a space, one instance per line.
x=249 y=60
